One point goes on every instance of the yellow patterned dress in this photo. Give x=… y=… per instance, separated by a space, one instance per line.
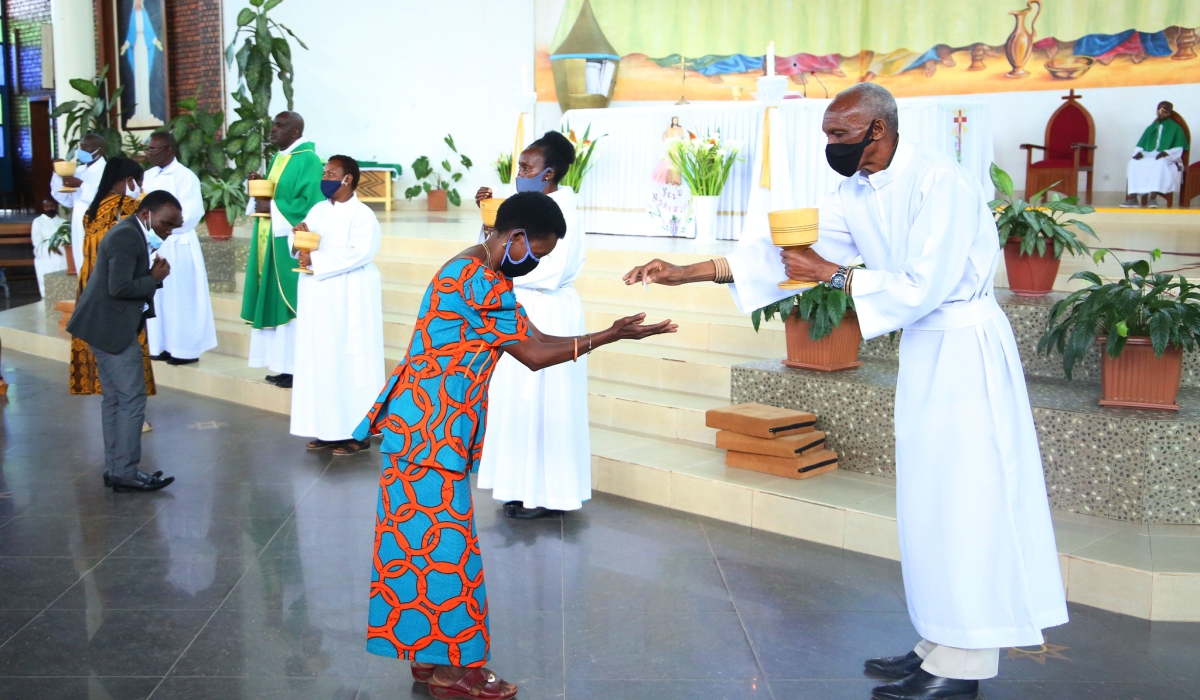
x=112 y=209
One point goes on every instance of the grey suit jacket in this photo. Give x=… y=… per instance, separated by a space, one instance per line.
x=113 y=306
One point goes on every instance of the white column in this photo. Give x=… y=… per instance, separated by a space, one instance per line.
x=74 y=51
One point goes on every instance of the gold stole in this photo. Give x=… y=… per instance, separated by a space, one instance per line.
x=264 y=224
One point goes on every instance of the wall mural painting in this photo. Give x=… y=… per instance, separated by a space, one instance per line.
x=931 y=47
x=141 y=39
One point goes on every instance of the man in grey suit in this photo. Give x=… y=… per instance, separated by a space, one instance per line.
x=112 y=310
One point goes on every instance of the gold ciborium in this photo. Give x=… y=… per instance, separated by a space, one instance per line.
x=262 y=188
x=305 y=241
x=794 y=229
x=65 y=168
x=488 y=209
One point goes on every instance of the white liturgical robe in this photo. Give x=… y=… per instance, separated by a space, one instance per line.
x=538 y=448
x=1153 y=174
x=339 y=324
x=976 y=540
x=41 y=231
x=183 y=325
x=78 y=201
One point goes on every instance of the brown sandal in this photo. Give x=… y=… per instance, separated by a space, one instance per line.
x=475 y=684
x=350 y=447
x=422 y=672
x=321 y=444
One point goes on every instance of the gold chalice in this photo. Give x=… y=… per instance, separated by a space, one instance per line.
x=794 y=229
x=65 y=168
x=488 y=209
x=305 y=241
x=262 y=188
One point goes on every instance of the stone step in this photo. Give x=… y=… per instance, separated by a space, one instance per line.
x=659 y=412
x=1123 y=464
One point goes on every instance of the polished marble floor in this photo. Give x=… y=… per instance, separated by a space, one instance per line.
x=248 y=579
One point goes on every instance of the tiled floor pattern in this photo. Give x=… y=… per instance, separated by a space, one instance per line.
x=248 y=578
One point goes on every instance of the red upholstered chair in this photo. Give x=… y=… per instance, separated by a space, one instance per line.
x=1069 y=150
x=1189 y=179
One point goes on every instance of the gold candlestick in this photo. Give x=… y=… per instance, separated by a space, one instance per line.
x=794 y=229
x=305 y=241
x=262 y=189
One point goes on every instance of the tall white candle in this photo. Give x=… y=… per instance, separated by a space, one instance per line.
x=771 y=60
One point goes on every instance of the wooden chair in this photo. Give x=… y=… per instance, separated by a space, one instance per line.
x=1187 y=134
x=1069 y=150
x=17 y=235
x=1189 y=179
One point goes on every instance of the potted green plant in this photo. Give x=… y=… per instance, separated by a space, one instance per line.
x=1144 y=320
x=820 y=328
x=503 y=168
x=704 y=164
x=60 y=243
x=583 y=157
x=1034 y=235
x=97 y=114
x=220 y=198
x=438 y=185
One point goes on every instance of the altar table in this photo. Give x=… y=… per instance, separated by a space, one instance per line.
x=617 y=191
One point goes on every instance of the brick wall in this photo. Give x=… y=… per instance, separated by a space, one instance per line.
x=25 y=19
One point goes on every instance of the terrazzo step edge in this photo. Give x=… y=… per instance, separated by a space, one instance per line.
x=816 y=510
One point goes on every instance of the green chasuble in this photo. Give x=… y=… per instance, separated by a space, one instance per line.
x=1171 y=137
x=269 y=299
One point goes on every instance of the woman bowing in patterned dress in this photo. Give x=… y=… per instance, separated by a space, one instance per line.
x=428 y=600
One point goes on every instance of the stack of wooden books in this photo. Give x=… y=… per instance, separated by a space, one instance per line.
x=771 y=440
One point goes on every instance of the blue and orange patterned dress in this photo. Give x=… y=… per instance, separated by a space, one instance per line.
x=428 y=600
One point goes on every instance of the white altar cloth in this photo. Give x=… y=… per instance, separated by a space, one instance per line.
x=616 y=191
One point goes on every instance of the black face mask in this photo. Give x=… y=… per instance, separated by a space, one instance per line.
x=50 y=214
x=515 y=268
x=844 y=157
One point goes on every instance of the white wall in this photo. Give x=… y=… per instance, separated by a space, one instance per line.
x=386 y=80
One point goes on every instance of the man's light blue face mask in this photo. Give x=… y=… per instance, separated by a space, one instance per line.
x=152 y=238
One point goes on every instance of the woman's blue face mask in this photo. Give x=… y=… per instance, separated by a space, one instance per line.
x=515 y=268
x=532 y=184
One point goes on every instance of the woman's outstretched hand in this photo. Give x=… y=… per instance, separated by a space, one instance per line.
x=633 y=328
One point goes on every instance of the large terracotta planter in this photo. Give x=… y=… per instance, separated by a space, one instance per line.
x=1138 y=379
x=838 y=350
x=436 y=200
x=70 y=260
x=1030 y=275
x=219 y=228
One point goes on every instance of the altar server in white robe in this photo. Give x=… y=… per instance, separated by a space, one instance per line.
x=41 y=231
x=90 y=168
x=538 y=456
x=976 y=540
x=339 y=316
x=183 y=328
x=1157 y=162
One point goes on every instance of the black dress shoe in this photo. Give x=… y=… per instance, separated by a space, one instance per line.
x=284 y=382
x=142 y=482
x=523 y=513
x=108 y=477
x=163 y=356
x=922 y=685
x=894 y=667
x=272 y=378
x=181 y=360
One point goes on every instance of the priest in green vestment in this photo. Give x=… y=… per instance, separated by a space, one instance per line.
x=269 y=299
x=1157 y=161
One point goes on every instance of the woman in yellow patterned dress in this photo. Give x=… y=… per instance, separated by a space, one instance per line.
x=116 y=198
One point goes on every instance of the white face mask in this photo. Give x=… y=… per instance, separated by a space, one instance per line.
x=133 y=192
x=152 y=238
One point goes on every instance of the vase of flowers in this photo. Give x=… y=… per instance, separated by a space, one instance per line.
x=1143 y=321
x=503 y=167
x=704 y=164
x=1034 y=235
x=820 y=327
x=583 y=156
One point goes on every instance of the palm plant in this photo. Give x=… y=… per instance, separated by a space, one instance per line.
x=96 y=114
x=1162 y=306
x=1037 y=223
x=821 y=307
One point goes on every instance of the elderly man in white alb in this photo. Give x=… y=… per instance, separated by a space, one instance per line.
x=90 y=157
x=183 y=328
x=976 y=540
x=1154 y=170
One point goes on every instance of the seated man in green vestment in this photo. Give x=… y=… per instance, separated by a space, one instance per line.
x=1154 y=169
x=269 y=299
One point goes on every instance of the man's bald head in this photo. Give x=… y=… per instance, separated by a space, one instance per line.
x=92 y=143
x=286 y=129
x=870 y=100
